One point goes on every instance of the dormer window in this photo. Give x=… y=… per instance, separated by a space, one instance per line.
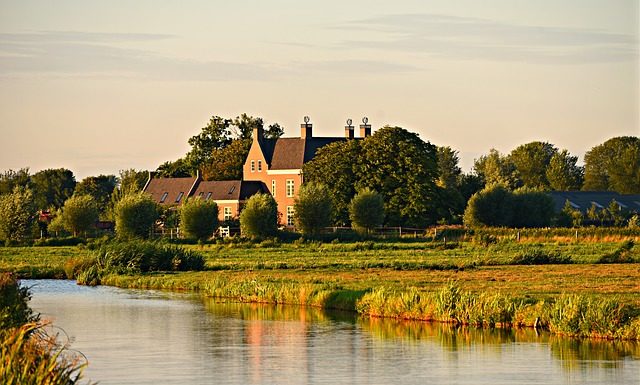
x=232 y=189
x=253 y=166
x=208 y=196
x=164 y=197
x=201 y=194
x=179 y=197
x=259 y=165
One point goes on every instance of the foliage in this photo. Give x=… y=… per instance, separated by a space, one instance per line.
x=99 y=188
x=569 y=216
x=135 y=215
x=492 y=206
x=448 y=170
x=14 y=310
x=52 y=187
x=614 y=166
x=537 y=256
x=531 y=161
x=259 y=217
x=563 y=173
x=621 y=255
x=366 y=210
x=274 y=131
x=17 y=215
x=531 y=208
x=213 y=136
x=11 y=179
x=226 y=163
x=313 y=208
x=79 y=214
x=495 y=168
x=63 y=241
x=179 y=168
x=198 y=218
x=334 y=165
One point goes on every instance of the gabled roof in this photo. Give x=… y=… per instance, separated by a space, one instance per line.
x=292 y=153
x=220 y=190
x=582 y=200
x=173 y=187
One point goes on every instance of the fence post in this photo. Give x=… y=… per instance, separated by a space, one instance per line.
x=400 y=231
x=576 y=235
x=518 y=236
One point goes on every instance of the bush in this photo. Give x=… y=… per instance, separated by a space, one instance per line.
x=621 y=255
x=366 y=210
x=198 y=218
x=65 y=241
x=79 y=213
x=492 y=206
x=540 y=257
x=17 y=215
x=313 y=208
x=259 y=218
x=14 y=310
x=531 y=208
x=135 y=216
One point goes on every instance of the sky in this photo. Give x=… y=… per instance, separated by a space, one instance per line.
x=102 y=86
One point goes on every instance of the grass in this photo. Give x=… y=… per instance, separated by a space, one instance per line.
x=502 y=282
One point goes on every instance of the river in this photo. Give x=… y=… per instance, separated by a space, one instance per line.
x=155 y=337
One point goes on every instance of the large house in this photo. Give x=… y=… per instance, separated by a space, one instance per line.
x=273 y=166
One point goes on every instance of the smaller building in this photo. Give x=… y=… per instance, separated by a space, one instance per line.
x=583 y=200
x=229 y=195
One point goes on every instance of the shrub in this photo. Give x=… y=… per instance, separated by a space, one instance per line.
x=313 y=208
x=135 y=215
x=259 y=218
x=14 y=310
x=540 y=257
x=65 y=241
x=621 y=255
x=17 y=215
x=366 y=210
x=492 y=206
x=79 y=213
x=198 y=218
x=531 y=208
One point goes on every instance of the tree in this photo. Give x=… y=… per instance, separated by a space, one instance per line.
x=563 y=173
x=135 y=215
x=366 y=210
x=129 y=182
x=226 y=163
x=216 y=134
x=313 y=208
x=448 y=170
x=569 y=216
x=244 y=124
x=259 y=217
x=79 y=214
x=11 y=179
x=613 y=166
x=52 y=187
x=531 y=208
x=274 y=131
x=495 y=168
x=492 y=206
x=403 y=169
x=198 y=218
x=335 y=165
x=451 y=203
x=100 y=188
x=179 y=168
x=17 y=214
x=531 y=161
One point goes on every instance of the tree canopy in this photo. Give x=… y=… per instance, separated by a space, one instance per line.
x=100 y=188
x=312 y=208
x=17 y=214
x=52 y=187
x=614 y=166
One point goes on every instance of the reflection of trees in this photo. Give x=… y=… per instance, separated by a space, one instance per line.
x=574 y=353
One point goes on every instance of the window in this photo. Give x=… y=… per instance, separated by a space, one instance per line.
x=208 y=196
x=253 y=166
x=179 y=197
x=273 y=187
x=289 y=188
x=227 y=214
x=289 y=215
x=259 y=165
x=201 y=194
x=164 y=197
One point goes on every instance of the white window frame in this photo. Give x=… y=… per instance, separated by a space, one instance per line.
x=273 y=187
x=290 y=188
x=290 y=216
x=227 y=216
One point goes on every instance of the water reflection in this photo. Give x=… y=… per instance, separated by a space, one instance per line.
x=149 y=337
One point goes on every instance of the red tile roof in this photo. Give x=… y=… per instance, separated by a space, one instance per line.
x=157 y=187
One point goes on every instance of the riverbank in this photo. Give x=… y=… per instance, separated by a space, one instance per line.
x=406 y=280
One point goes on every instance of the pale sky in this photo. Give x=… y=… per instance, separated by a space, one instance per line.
x=100 y=86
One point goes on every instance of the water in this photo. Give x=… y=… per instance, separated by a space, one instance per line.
x=153 y=337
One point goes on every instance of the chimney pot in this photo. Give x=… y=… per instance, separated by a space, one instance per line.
x=306 y=129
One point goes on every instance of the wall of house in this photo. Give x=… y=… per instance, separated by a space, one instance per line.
x=233 y=206
x=281 y=197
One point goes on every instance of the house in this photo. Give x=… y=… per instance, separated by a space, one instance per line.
x=583 y=200
x=277 y=163
x=229 y=195
x=272 y=166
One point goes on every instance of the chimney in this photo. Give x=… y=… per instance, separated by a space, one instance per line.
x=305 y=129
x=365 y=129
x=258 y=133
x=348 y=130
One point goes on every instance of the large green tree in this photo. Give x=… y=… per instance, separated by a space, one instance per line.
x=563 y=173
x=226 y=163
x=198 y=218
x=79 y=214
x=259 y=217
x=336 y=166
x=492 y=206
x=100 y=188
x=17 y=214
x=366 y=210
x=614 y=166
x=495 y=168
x=531 y=161
x=11 y=179
x=216 y=134
x=135 y=215
x=52 y=187
x=313 y=208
